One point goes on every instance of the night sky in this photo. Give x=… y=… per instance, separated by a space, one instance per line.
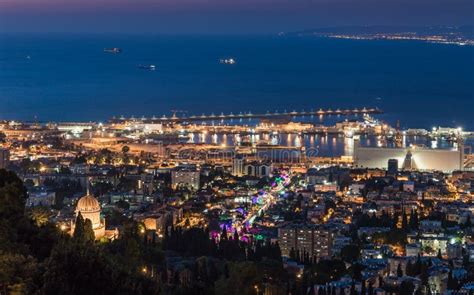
x=224 y=16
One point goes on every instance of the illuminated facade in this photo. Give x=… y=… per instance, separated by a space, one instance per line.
x=89 y=208
x=185 y=177
x=419 y=158
x=257 y=169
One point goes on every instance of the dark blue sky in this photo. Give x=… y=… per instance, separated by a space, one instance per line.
x=224 y=16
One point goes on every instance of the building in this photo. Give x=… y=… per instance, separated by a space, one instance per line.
x=40 y=196
x=409 y=186
x=431 y=243
x=392 y=167
x=454 y=250
x=326 y=187
x=315 y=176
x=4 y=158
x=413 y=157
x=312 y=239
x=240 y=167
x=413 y=249
x=188 y=177
x=470 y=252
x=90 y=209
x=257 y=169
x=161 y=218
x=147 y=184
x=430 y=226
x=155 y=222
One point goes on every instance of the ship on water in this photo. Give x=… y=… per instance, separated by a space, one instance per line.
x=227 y=61
x=113 y=50
x=147 y=67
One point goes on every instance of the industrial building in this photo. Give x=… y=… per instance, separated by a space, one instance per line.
x=411 y=158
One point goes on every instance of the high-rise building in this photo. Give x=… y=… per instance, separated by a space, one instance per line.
x=392 y=169
x=186 y=177
x=408 y=163
x=238 y=165
x=305 y=238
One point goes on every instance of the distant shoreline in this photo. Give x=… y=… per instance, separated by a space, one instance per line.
x=450 y=35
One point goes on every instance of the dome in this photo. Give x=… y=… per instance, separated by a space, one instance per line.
x=88 y=204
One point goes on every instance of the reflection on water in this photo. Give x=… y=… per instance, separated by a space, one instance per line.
x=348 y=146
x=330 y=145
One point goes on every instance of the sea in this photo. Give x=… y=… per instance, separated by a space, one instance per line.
x=69 y=77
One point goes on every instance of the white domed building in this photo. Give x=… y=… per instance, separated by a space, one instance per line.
x=89 y=208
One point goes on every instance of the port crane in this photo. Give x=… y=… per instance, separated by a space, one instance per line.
x=178 y=111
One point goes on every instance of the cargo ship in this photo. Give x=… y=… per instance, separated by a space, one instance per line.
x=227 y=61
x=113 y=50
x=147 y=67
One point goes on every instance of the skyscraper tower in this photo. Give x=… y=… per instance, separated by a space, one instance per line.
x=392 y=169
x=398 y=136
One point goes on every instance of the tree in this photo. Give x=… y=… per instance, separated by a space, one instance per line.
x=320 y=291
x=79 y=159
x=224 y=233
x=406 y=288
x=350 y=253
x=393 y=237
x=122 y=204
x=125 y=149
x=3 y=137
x=89 y=235
x=381 y=282
x=371 y=289
x=327 y=270
x=414 y=219
x=409 y=269
x=12 y=196
x=416 y=267
x=424 y=276
x=35 y=258
x=468 y=222
x=292 y=254
x=404 y=221
x=39 y=215
x=81 y=268
x=356 y=271
x=244 y=278
x=78 y=234
x=17 y=273
x=452 y=283
x=399 y=270
x=353 y=288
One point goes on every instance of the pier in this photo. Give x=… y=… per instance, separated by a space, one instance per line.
x=249 y=115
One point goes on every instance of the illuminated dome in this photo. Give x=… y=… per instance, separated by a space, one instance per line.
x=89 y=208
x=88 y=204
